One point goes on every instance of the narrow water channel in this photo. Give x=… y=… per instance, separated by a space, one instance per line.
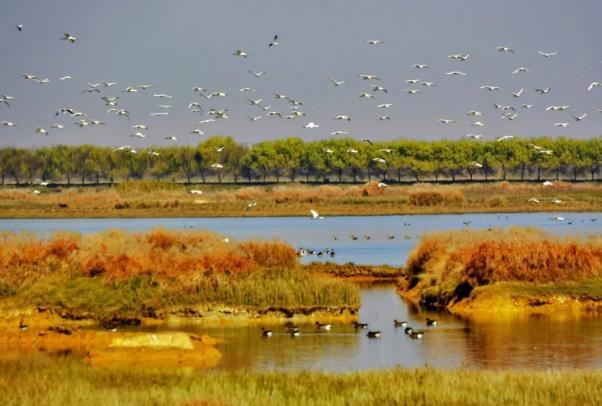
x=533 y=342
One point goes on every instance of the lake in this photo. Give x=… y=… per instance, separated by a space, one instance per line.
x=318 y=234
x=534 y=342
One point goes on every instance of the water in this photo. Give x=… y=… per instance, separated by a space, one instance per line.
x=534 y=342
x=522 y=342
x=318 y=234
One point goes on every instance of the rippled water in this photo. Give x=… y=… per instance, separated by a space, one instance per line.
x=318 y=234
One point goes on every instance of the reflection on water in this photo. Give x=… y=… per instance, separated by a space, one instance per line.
x=318 y=234
x=533 y=342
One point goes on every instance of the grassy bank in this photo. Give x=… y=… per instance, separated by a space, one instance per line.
x=71 y=383
x=508 y=269
x=352 y=271
x=163 y=199
x=117 y=274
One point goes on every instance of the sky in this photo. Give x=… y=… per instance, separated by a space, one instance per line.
x=175 y=45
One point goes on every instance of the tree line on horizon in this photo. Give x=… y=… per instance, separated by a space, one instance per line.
x=221 y=158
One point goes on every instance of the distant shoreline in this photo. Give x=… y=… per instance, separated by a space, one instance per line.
x=146 y=199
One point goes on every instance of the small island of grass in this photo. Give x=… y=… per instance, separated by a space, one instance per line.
x=505 y=270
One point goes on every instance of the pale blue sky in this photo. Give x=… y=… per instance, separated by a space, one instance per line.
x=179 y=44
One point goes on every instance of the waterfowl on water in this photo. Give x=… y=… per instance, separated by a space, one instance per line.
x=431 y=322
x=416 y=335
x=266 y=333
x=323 y=326
x=373 y=334
x=294 y=333
x=409 y=330
x=359 y=325
x=398 y=323
x=22 y=325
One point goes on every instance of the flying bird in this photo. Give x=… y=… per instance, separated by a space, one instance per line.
x=241 y=53
x=490 y=87
x=547 y=54
x=337 y=83
x=20 y=27
x=311 y=125
x=274 y=42
x=257 y=74
x=456 y=73
x=517 y=94
x=68 y=37
x=579 y=118
x=504 y=138
x=521 y=69
x=375 y=42
x=592 y=85
x=505 y=49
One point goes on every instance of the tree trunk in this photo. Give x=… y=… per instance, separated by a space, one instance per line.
x=503 y=172
x=453 y=175
x=522 y=172
x=538 y=173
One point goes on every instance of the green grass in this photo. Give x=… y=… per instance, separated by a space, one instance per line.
x=290 y=288
x=68 y=382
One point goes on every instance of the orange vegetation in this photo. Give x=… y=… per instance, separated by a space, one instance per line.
x=516 y=254
x=115 y=255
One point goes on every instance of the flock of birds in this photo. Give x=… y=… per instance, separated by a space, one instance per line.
x=293 y=106
x=294 y=330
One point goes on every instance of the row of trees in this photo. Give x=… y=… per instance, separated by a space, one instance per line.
x=334 y=160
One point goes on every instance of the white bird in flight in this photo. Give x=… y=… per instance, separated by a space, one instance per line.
x=521 y=69
x=547 y=54
x=315 y=215
x=504 y=138
x=68 y=37
x=241 y=53
x=337 y=83
x=456 y=73
x=592 y=85
x=311 y=125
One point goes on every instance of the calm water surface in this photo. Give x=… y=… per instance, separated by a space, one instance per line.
x=535 y=342
x=318 y=234
x=527 y=342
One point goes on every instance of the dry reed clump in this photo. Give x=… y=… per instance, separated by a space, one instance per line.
x=451 y=197
x=312 y=194
x=23 y=257
x=270 y=254
x=116 y=255
x=372 y=189
x=244 y=194
x=516 y=254
x=147 y=186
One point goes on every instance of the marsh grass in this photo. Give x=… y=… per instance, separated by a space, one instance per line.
x=157 y=198
x=117 y=273
x=448 y=265
x=69 y=382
